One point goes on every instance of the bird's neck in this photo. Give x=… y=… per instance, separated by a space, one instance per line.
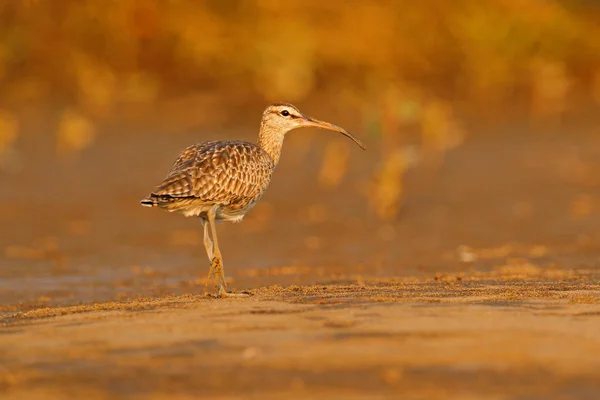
x=270 y=139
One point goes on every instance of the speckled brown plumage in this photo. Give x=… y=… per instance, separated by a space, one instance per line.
x=223 y=180
x=233 y=174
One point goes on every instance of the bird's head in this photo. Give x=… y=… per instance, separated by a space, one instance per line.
x=282 y=118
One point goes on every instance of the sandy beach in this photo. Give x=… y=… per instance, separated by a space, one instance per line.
x=497 y=337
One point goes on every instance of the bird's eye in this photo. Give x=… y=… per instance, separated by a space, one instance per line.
x=285 y=113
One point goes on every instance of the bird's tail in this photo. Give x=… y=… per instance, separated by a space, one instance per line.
x=149 y=201
x=156 y=200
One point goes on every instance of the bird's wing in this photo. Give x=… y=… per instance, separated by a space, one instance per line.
x=218 y=172
x=189 y=155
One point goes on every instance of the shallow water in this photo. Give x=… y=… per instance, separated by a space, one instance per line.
x=73 y=231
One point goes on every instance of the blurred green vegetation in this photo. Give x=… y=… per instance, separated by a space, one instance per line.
x=394 y=64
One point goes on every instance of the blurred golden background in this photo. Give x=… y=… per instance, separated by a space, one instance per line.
x=397 y=68
x=97 y=98
x=458 y=257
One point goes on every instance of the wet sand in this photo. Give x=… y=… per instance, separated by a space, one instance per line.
x=487 y=284
x=494 y=337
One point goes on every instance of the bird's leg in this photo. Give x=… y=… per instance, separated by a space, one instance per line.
x=208 y=245
x=216 y=267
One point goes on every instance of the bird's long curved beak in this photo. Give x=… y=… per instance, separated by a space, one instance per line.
x=308 y=121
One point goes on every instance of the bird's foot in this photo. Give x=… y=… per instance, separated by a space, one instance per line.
x=230 y=295
x=216 y=272
x=240 y=295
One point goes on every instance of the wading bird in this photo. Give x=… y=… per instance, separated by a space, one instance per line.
x=223 y=180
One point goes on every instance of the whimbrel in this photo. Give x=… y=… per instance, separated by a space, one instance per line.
x=223 y=180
